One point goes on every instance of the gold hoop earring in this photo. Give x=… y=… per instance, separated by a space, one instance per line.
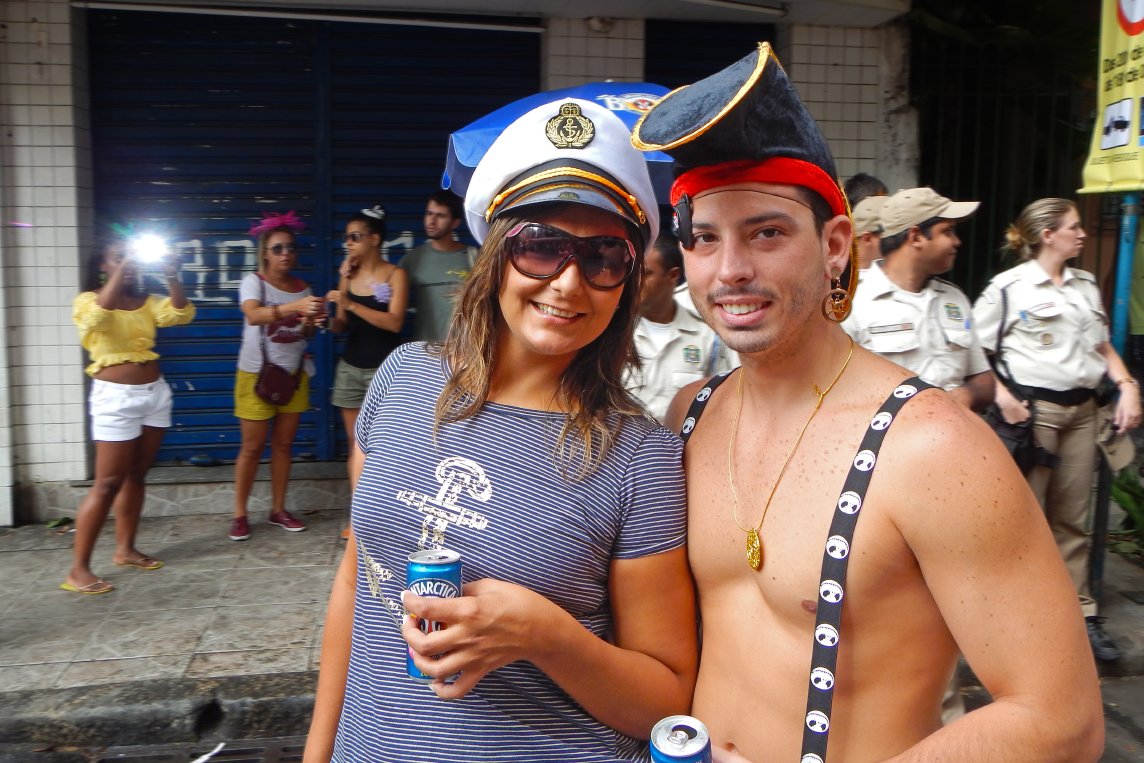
x=836 y=303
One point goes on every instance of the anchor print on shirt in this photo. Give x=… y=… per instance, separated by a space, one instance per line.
x=460 y=478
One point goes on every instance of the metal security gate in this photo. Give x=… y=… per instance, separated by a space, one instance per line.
x=1006 y=119
x=201 y=122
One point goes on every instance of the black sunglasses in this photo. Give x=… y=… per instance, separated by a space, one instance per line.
x=280 y=248
x=355 y=236
x=541 y=251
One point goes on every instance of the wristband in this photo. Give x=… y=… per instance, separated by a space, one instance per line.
x=1127 y=380
x=277 y=313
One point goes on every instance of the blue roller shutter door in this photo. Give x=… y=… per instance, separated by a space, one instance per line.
x=201 y=123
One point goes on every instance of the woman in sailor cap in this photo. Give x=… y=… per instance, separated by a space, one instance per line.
x=516 y=445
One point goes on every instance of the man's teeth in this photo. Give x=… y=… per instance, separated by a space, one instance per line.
x=740 y=309
x=554 y=311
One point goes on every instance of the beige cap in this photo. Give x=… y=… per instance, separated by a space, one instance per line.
x=868 y=215
x=914 y=206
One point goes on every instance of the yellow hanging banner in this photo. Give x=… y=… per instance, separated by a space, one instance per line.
x=1116 y=159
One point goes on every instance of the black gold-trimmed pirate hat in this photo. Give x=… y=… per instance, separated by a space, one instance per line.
x=744 y=123
x=565 y=151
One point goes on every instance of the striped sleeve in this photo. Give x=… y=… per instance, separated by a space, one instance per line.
x=654 y=498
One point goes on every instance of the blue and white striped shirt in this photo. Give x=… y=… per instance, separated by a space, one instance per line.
x=488 y=488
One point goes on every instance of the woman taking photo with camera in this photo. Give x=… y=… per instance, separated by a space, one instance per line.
x=130 y=401
x=279 y=312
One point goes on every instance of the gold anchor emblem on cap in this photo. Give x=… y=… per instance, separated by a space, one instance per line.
x=570 y=128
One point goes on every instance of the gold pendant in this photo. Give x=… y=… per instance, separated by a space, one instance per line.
x=754 y=550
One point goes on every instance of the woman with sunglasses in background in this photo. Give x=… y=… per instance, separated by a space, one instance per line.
x=371 y=298
x=516 y=445
x=279 y=312
x=130 y=400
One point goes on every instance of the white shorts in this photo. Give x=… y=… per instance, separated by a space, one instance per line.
x=120 y=411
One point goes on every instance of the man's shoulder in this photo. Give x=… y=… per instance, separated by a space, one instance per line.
x=681 y=404
x=414 y=255
x=873 y=285
x=935 y=433
x=948 y=289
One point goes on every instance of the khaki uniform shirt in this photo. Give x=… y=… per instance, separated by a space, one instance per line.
x=930 y=333
x=1050 y=333
x=692 y=351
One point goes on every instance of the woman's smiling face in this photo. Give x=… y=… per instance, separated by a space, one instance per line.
x=561 y=315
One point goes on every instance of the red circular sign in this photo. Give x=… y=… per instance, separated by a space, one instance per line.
x=1130 y=14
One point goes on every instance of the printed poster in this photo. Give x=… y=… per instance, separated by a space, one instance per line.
x=1116 y=159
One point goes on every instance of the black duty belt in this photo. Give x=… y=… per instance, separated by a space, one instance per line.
x=1067 y=397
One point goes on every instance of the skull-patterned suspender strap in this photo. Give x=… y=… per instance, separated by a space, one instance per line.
x=699 y=403
x=831 y=587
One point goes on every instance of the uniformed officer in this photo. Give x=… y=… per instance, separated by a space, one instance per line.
x=908 y=315
x=868 y=230
x=675 y=346
x=1048 y=329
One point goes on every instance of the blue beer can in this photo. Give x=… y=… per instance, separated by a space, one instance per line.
x=436 y=572
x=680 y=739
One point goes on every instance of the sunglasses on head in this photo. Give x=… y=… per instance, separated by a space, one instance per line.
x=283 y=249
x=354 y=236
x=541 y=251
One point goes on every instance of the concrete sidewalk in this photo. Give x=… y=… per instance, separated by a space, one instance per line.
x=222 y=643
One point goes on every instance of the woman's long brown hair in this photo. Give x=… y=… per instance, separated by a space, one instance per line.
x=590 y=389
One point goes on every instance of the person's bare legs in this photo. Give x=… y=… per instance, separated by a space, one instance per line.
x=281 y=442
x=246 y=463
x=349 y=418
x=112 y=463
x=128 y=503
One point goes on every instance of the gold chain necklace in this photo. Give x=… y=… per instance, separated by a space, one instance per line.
x=754 y=545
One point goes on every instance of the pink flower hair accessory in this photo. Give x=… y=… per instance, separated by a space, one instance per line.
x=273 y=220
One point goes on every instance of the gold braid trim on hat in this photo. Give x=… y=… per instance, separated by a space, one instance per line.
x=763 y=49
x=568 y=172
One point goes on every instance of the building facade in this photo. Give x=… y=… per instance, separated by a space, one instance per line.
x=193 y=119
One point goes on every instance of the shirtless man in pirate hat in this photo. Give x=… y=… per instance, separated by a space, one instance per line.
x=851 y=529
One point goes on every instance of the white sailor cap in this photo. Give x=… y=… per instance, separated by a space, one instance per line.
x=566 y=151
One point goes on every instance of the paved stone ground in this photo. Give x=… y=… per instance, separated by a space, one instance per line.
x=219 y=608
x=221 y=644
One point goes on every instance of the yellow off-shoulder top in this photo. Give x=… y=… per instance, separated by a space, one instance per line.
x=112 y=337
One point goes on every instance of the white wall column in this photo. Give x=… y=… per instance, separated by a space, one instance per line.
x=45 y=193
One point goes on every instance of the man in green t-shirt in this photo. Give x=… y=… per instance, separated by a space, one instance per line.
x=438 y=267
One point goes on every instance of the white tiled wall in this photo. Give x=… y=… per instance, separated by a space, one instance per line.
x=44 y=194
x=836 y=71
x=574 y=52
